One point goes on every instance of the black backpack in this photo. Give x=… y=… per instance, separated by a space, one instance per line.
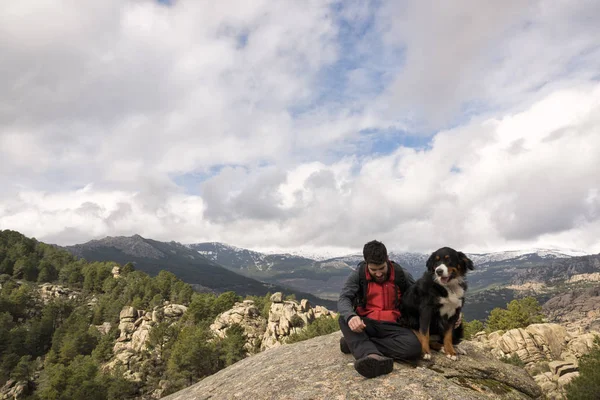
x=399 y=281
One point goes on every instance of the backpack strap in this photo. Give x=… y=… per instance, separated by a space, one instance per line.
x=361 y=299
x=399 y=277
x=400 y=282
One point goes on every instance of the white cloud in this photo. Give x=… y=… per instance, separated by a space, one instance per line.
x=471 y=56
x=105 y=106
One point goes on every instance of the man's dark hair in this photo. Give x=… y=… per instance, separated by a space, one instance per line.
x=375 y=252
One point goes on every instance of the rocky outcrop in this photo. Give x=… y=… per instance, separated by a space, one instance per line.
x=316 y=369
x=534 y=287
x=246 y=315
x=552 y=382
x=557 y=271
x=593 y=277
x=287 y=317
x=14 y=390
x=134 y=327
x=549 y=352
x=577 y=310
x=50 y=292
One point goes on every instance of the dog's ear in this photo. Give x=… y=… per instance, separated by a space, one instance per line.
x=465 y=261
x=430 y=262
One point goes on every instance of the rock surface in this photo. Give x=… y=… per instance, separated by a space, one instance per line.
x=247 y=316
x=14 y=390
x=550 y=352
x=134 y=332
x=49 y=291
x=576 y=310
x=287 y=317
x=316 y=369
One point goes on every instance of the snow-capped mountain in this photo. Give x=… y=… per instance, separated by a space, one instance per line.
x=249 y=261
x=523 y=255
x=325 y=276
x=244 y=259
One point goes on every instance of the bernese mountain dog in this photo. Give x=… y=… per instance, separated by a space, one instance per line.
x=432 y=305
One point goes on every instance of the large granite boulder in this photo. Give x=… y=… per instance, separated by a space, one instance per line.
x=316 y=369
x=247 y=316
x=134 y=331
x=287 y=317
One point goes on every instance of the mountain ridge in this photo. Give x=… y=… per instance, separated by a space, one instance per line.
x=152 y=256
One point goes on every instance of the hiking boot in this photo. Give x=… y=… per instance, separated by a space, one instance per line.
x=374 y=365
x=344 y=346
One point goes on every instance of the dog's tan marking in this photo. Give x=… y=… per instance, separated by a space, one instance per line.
x=448 y=347
x=424 y=339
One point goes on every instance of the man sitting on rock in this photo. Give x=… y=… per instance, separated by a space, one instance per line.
x=369 y=308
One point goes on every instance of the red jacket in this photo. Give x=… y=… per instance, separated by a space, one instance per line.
x=381 y=299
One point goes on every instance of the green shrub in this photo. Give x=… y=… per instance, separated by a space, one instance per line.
x=587 y=384
x=539 y=368
x=319 y=327
x=514 y=359
x=296 y=321
x=518 y=314
x=471 y=328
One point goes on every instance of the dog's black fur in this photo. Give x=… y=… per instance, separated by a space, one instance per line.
x=434 y=303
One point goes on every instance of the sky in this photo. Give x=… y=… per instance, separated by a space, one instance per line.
x=303 y=126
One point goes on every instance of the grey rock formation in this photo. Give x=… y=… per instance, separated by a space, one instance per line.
x=49 y=292
x=14 y=390
x=558 y=271
x=577 y=309
x=287 y=317
x=316 y=369
x=135 y=327
x=247 y=316
x=550 y=352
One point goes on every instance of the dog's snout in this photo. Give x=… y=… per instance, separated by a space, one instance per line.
x=439 y=271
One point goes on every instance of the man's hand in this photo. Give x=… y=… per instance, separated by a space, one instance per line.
x=356 y=324
x=459 y=321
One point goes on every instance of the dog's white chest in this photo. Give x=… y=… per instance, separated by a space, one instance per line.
x=453 y=301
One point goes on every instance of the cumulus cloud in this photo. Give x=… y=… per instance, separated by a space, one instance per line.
x=285 y=125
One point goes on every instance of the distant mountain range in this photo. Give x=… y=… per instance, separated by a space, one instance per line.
x=220 y=267
x=326 y=277
x=152 y=256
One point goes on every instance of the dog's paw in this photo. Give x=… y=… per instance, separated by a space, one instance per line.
x=454 y=356
x=426 y=356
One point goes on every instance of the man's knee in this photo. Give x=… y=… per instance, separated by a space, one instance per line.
x=414 y=348
x=411 y=347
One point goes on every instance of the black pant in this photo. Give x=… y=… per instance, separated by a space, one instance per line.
x=384 y=338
